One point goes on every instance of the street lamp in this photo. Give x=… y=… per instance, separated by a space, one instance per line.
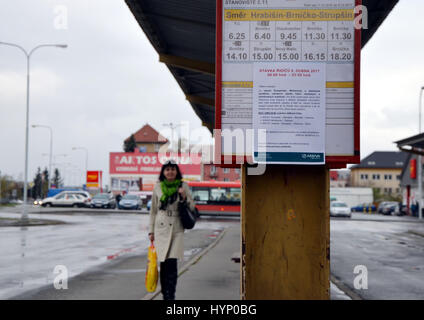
x=51 y=149
x=28 y=56
x=86 y=159
x=420 y=165
x=172 y=126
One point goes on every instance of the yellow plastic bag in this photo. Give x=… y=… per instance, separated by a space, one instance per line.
x=152 y=269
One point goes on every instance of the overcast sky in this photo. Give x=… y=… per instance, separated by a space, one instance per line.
x=108 y=83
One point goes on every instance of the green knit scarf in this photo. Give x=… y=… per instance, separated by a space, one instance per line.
x=168 y=189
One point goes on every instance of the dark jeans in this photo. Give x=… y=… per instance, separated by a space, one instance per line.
x=168 y=278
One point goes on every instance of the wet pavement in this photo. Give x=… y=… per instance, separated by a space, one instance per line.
x=391 y=248
x=105 y=256
x=30 y=254
x=121 y=278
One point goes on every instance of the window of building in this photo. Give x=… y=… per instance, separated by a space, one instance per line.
x=213 y=170
x=376 y=177
x=387 y=177
x=398 y=177
x=237 y=170
x=226 y=179
x=388 y=190
x=397 y=190
x=364 y=177
x=226 y=170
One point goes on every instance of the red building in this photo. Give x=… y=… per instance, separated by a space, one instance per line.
x=212 y=172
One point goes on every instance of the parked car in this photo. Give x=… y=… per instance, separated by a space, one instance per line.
x=381 y=205
x=83 y=193
x=130 y=201
x=103 y=200
x=149 y=204
x=65 y=199
x=390 y=207
x=339 y=209
x=364 y=207
x=403 y=211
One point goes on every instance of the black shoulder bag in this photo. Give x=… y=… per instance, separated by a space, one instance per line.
x=188 y=218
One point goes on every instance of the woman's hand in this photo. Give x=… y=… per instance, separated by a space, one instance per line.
x=182 y=193
x=152 y=237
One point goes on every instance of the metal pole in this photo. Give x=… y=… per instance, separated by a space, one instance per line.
x=24 y=216
x=25 y=212
x=171 y=125
x=51 y=150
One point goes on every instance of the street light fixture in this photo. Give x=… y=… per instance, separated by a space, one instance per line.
x=28 y=56
x=51 y=149
x=86 y=159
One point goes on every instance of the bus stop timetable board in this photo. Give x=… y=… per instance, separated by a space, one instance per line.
x=297 y=37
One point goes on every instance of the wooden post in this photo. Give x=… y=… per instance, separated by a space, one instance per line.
x=285 y=238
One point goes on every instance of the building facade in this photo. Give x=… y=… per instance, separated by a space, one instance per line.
x=148 y=139
x=339 y=178
x=212 y=172
x=382 y=171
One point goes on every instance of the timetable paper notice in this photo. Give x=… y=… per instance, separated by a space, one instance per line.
x=289 y=103
x=285 y=31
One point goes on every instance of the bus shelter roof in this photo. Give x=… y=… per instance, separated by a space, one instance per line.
x=414 y=144
x=183 y=34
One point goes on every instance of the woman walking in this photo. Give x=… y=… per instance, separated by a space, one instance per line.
x=165 y=224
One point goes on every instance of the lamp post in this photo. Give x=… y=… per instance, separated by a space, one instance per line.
x=28 y=56
x=420 y=165
x=172 y=126
x=86 y=160
x=51 y=149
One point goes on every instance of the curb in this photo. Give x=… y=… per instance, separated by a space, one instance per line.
x=192 y=261
x=71 y=211
x=345 y=289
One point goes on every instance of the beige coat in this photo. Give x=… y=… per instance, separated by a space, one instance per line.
x=166 y=226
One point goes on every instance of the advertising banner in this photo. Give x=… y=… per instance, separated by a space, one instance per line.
x=151 y=163
x=94 y=179
x=127 y=184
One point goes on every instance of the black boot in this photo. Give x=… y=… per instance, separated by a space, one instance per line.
x=168 y=278
x=172 y=278
x=163 y=280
